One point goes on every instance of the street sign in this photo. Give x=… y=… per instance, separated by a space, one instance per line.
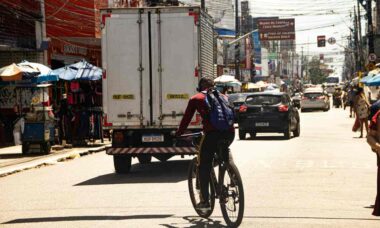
x=372 y=57
x=331 y=40
x=276 y=29
x=321 y=40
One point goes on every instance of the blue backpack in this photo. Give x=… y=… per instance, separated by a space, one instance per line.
x=221 y=115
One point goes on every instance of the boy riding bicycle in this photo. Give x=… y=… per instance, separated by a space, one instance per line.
x=212 y=135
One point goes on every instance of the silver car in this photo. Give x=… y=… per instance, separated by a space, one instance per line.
x=315 y=100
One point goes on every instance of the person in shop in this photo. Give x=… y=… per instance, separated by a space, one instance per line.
x=64 y=116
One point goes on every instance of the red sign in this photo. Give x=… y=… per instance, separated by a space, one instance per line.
x=321 y=41
x=276 y=29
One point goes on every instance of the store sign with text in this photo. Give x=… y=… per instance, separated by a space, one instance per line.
x=276 y=29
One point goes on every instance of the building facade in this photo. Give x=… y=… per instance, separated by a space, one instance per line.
x=73 y=28
x=20 y=31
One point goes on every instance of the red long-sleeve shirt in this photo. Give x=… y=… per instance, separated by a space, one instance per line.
x=197 y=103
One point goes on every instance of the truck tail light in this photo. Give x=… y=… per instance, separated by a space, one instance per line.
x=195 y=15
x=118 y=137
x=243 y=108
x=106 y=124
x=305 y=98
x=104 y=16
x=283 y=108
x=104 y=74
x=196 y=72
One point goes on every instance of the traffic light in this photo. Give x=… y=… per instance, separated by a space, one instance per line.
x=321 y=41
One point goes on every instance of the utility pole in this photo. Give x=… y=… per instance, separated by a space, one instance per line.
x=360 y=39
x=301 y=63
x=43 y=31
x=203 y=5
x=356 y=52
x=237 y=45
x=371 y=46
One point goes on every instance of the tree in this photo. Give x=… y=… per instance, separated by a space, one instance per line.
x=317 y=75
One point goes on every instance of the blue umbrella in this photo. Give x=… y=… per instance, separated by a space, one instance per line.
x=79 y=71
x=366 y=78
x=375 y=81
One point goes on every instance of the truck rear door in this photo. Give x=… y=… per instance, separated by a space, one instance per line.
x=126 y=83
x=174 y=63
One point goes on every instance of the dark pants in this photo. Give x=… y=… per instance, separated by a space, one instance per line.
x=208 y=149
x=376 y=210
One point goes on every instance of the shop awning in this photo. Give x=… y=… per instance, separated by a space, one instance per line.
x=79 y=71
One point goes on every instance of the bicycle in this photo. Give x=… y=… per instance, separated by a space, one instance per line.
x=228 y=187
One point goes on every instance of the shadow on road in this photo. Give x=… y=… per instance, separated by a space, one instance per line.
x=267 y=138
x=85 y=218
x=196 y=222
x=311 y=218
x=20 y=155
x=155 y=172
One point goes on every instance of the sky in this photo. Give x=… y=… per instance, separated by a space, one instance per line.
x=314 y=18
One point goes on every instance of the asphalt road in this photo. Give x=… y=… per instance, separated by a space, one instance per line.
x=325 y=178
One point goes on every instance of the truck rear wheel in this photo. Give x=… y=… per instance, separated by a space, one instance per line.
x=122 y=163
x=145 y=158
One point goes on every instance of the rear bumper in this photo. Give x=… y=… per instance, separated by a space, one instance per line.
x=275 y=125
x=314 y=105
x=152 y=150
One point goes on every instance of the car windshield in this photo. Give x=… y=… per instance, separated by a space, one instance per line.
x=313 y=95
x=237 y=97
x=263 y=99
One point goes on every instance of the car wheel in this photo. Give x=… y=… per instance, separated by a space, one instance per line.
x=297 y=131
x=253 y=135
x=242 y=135
x=288 y=133
x=302 y=110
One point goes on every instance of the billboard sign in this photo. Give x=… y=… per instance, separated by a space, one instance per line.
x=257 y=47
x=276 y=29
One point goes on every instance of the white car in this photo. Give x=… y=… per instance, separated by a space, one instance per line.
x=315 y=99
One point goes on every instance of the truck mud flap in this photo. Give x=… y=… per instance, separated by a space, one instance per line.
x=152 y=150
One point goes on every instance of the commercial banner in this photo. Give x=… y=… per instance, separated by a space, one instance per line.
x=276 y=29
x=256 y=47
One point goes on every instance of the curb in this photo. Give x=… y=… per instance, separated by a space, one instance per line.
x=47 y=161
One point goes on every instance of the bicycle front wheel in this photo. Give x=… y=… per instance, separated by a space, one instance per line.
x=195 y=190
x=232 y=196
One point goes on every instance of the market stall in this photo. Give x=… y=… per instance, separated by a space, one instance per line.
x=79 y=109
x=18 y=88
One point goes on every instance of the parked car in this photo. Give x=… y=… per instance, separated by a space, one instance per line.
x=236 y=100
x=315 y=99
x=268 y=112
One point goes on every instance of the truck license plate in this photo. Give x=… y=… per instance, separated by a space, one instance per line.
x=262 y=124
x=153 y=138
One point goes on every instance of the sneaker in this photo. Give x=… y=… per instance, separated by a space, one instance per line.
x=203 y=206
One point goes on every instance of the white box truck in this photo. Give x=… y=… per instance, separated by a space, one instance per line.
x=153 y=59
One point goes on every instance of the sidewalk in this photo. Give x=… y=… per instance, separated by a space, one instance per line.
x=12 y=160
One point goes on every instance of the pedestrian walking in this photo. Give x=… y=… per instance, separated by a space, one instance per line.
x=361 y=106
x=373 y=140
x=350 y=99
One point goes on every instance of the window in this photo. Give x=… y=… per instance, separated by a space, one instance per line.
x=264 y=99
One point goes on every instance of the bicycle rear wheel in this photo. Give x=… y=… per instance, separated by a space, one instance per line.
x=232 y=196
x=195 y=190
